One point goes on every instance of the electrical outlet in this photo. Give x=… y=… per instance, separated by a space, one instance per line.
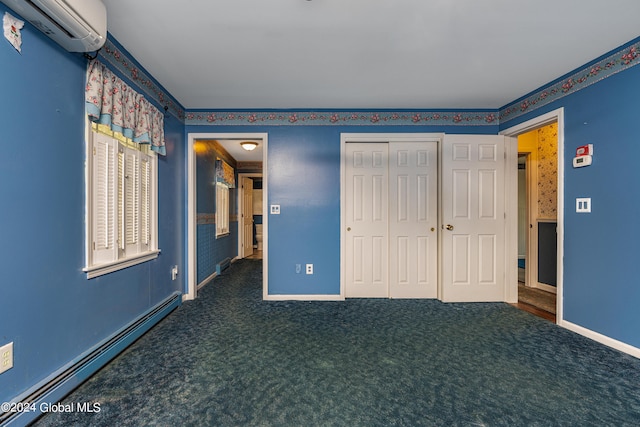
x=6 y=357
x=309 y=268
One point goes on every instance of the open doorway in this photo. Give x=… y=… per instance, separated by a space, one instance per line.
x=250 y=215
x=238 y=161
x=540 y=208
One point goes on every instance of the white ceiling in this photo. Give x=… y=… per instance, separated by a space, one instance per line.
x=365 y=54
x=236 y=151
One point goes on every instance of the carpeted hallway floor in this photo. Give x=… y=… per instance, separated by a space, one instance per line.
x=231 y=359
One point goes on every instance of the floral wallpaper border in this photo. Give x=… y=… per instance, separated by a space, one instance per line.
x=618 y=61
x=342 y=118
x=612 y=64
x=121 y=61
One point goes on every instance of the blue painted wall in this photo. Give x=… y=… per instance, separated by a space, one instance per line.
x=53 y=314
x=211 y=250
x=50 y=311
x=304 y=179
x=601 y=291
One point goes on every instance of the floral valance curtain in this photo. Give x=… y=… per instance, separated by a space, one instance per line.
x=225 y=174
x=110 y=101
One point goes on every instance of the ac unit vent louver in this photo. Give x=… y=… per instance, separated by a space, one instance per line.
x=76 y=25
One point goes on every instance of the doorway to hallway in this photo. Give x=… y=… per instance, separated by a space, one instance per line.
x=251 y=215
x=194 y=246
x=540 y=214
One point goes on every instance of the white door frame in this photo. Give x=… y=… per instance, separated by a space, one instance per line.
x=191 y=241
x=372 y=137
x=241 y=207
x=536 y=122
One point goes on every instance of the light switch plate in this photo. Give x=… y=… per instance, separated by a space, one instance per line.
x=275 y=209
x=583 y=204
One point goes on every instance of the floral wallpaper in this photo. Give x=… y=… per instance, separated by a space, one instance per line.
x=548 y=172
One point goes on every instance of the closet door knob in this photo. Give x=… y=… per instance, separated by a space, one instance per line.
x=448 y=227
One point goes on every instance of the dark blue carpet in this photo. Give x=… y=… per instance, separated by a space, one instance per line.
x=231 y=359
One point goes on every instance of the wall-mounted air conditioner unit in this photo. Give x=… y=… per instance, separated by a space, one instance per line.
x=76 y=25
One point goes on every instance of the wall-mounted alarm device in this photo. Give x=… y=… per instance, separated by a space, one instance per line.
x=578 y=162
x=584 y=150
x=584 y=156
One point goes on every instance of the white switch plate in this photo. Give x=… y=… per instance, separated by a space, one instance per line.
x=6 y=357
x=583 y=204
x=275 y=209
x=309 y=268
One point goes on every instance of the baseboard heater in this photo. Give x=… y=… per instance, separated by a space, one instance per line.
x=223 y=265
x=61 y=383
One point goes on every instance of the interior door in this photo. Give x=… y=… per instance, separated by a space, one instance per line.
x=247 y=217
x=413 y=219
x=473 y=218
x=366 y=219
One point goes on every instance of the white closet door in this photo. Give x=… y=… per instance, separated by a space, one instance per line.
x=413 y=220
x=367 y=223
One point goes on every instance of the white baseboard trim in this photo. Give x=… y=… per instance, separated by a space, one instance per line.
x=207 y=280
x=602 y=339
x=303 y=298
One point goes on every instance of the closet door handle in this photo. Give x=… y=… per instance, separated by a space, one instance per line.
x=448 y=227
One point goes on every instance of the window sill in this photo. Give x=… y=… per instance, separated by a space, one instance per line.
x=103 y=269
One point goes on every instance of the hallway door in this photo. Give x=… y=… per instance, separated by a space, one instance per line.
x=473 y=218
x=247 y=217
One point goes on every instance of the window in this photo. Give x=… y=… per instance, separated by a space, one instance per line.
x=222 y=209
x=121 y=202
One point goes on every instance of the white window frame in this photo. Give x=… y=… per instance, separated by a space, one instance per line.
x=122 y=202
x=222 y=209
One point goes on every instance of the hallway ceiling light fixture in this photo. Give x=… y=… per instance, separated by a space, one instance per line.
x=249 y=145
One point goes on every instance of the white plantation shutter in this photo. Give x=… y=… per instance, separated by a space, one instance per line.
x=121 y=196
x=145 y=199
x=132 y=201
x=104 y=195
x=222 y=209
x=122 y=221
